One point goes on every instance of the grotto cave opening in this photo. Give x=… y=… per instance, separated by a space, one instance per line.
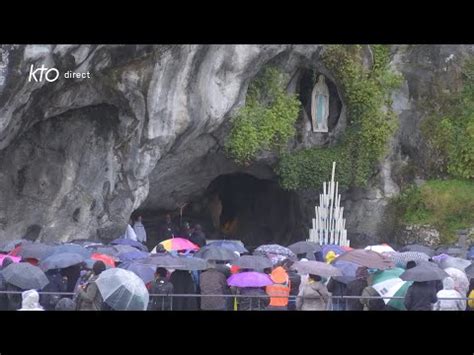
x=238 y=206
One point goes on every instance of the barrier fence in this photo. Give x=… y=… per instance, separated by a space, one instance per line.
x=166 y=300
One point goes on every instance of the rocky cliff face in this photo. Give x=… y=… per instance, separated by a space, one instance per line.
x=77 y=156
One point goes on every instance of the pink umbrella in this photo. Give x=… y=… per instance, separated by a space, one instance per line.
x=178 y=244
x=15 y=259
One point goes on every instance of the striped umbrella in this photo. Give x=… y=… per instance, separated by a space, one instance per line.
x=388 y=283
x=177 y=244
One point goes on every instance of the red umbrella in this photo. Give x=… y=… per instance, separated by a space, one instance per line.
x=108 y=260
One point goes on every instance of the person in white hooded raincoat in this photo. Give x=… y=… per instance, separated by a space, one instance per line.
x=30 y=301
x=448 y=291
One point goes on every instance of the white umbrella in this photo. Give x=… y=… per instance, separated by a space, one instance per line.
x=123 y=290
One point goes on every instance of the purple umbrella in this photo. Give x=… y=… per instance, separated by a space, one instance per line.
x=249 y=279
x=143 y=271
x=348 y=270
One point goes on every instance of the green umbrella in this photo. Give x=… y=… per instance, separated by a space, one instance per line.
x=389 y=284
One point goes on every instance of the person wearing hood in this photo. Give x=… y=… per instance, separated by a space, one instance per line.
x=448 y=291
x=3 y=285
x=160 y=286
x=421 y=296
x=314 y=296
x=139 y=229
x=213 y=282
x=279 y=292
x=129 y=232
x=30 y=301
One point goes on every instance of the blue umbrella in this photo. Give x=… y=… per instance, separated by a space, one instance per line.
x=133 y=243
x=133 y=255
x=348 y=270
x=144 y=271
x=72 y=248
x=61 y=261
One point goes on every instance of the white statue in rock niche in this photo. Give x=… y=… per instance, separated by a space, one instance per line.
x=320 y=105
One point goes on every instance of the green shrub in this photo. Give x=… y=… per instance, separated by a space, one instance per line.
x=447 y=205
x=450 y=133
x=266 y=121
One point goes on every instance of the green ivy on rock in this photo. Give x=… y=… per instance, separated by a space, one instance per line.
x=266 y=121
x=371 y=122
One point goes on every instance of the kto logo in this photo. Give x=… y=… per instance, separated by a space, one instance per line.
x=49 y=75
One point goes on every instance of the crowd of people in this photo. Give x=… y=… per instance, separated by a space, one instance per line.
x=75 y=287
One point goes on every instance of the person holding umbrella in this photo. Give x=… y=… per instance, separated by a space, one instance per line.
x=3 y=286
x=448 y=291
x=30 y=301
x=89 y=297
x=355 y=288
x=213 y=282
x=470 y=294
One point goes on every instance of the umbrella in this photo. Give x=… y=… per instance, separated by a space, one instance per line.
x=401 y=259
x=439 y=258
x=8 y=246
x=461 y=282
x=453 y=251
x=178 y=243
x=316 y=268
x=216 y=253
x=15 y=259
x=144 y=271
x=274 y=249
x=469 y=271
x=123 y=290
x=166 y=261
x=457 y=263
x=90 y=263
x=37 y=251
x=337 y=249
x=192 y=263
x=61 y=261
x=25 y=276
x=418 y=248
x=304 y=247
x=249 y=279
x=470 y=253
x=381 y=248
x=106 y=259
x=132 y=243
x=232 y=245
x=367 y=258
x=72 y=248
x=132 y=255
x=425 y=271
x=348 y=270
x=111 y=251
x=389 y=284
x=255 y=262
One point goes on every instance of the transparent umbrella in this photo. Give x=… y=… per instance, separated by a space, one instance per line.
x=123 y=290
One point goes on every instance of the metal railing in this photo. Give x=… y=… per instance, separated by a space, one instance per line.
x=167 y=301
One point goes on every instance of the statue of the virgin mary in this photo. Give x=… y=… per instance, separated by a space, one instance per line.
x=320 y=106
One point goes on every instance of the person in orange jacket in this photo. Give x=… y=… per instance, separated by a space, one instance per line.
x=280 y=290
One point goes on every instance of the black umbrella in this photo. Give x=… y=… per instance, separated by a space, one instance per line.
x=418 y=248
x=38 y=251
x=61 y=261
x=255 y=262
x=25 y=276
x=469 y=271
x=304 y=247
x=424 y=271
x=216 y=253
x=192 y=263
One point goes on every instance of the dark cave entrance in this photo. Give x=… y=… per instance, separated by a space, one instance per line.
x=238 y=206
x=256 y=211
